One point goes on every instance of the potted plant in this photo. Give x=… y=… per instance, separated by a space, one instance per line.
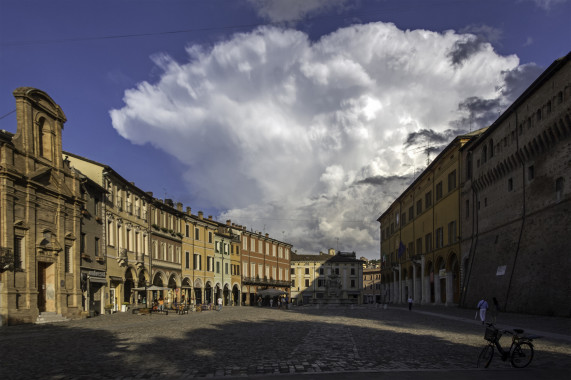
x=108 y=308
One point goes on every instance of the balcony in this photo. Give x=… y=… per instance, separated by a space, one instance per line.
x=265 y=282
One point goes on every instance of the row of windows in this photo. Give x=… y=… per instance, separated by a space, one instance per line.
x=402 y=218
x=322 y=271
x=275 y=250
x=406 y=252
x=322 y=283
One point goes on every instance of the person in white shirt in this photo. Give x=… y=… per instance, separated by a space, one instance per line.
x=219 y=303
x=483 y=306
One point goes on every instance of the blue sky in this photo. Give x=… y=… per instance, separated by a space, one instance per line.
x=303 y=119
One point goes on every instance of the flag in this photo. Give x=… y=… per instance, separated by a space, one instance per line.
x=402 y=249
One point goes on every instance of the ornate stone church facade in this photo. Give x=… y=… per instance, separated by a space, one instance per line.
x=40 y=215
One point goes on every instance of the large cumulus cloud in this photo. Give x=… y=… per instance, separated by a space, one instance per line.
x=311 y=140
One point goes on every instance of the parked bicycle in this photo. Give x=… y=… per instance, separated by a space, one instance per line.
x=520 y=352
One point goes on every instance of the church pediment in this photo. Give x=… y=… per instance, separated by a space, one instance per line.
x=46 y=178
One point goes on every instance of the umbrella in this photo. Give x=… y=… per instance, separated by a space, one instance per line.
x=271 y=292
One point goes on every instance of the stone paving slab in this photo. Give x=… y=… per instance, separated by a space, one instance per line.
x=252 y=341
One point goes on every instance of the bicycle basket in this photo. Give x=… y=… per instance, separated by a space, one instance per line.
x=492 y=334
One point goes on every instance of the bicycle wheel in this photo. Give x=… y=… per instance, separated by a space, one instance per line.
x=486 y=356
x=522 y=354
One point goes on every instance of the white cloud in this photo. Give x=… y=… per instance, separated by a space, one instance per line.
x=306 y=139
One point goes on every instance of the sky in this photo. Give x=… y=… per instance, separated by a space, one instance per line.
x=303 y=119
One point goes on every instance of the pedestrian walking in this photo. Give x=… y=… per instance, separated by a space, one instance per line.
x=495 y=309
x=219 y=303
x=409 y=303
x=279 y=303
x=271 y=302
x=483 y=306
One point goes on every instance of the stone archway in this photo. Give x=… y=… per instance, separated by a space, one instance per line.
x=186 y=291
x=208 y=293
x=430 y=278
x=454 y=275
x=197 y=292
x=440 y=281
x=235 y=295
x=128 y=286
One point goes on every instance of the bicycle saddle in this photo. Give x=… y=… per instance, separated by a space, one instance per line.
x=518 y=331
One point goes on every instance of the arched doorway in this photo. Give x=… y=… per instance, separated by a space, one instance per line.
x=455 y=269
x=158 y=281
x=128 y=286
x=430 y=275
x=208 y=293
x=442 y=279
x=142 y=283
x=197 y=291
x=173 y=292
x=235 y=295
x=226 y=295
x=186 y=291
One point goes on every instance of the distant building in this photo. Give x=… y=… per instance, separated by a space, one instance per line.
x=265 y=265
x=332 y=278
x=372 y=285
x=516 y=202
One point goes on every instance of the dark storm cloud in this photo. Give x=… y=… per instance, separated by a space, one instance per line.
x=380 y=180
x=430 y=137
x=463 y=50
x=517 y=80
x=481 y=112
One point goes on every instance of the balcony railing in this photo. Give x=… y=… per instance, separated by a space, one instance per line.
x=265 y=281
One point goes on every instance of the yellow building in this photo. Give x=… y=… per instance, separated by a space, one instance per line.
x=420 y=248
x=198 y=265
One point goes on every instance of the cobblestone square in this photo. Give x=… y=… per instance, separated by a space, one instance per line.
x=249 y=341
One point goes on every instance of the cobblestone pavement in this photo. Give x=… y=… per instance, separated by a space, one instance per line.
x=249 y=341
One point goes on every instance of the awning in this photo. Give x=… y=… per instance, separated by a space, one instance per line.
x=98 y=280
x=115 y=279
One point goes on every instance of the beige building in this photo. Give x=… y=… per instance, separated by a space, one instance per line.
x=126 y=232
x=332 y=278
x=40 y=216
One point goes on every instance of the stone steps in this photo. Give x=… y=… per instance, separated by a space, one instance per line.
x=50 y=317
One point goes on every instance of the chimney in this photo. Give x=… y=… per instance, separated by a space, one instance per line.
x=331 y=252
x=150 y=193
x=267 y=235
x=200 y=215
x=179 y=206
x=188 y=211
x=229 y=222
x=209 y=217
